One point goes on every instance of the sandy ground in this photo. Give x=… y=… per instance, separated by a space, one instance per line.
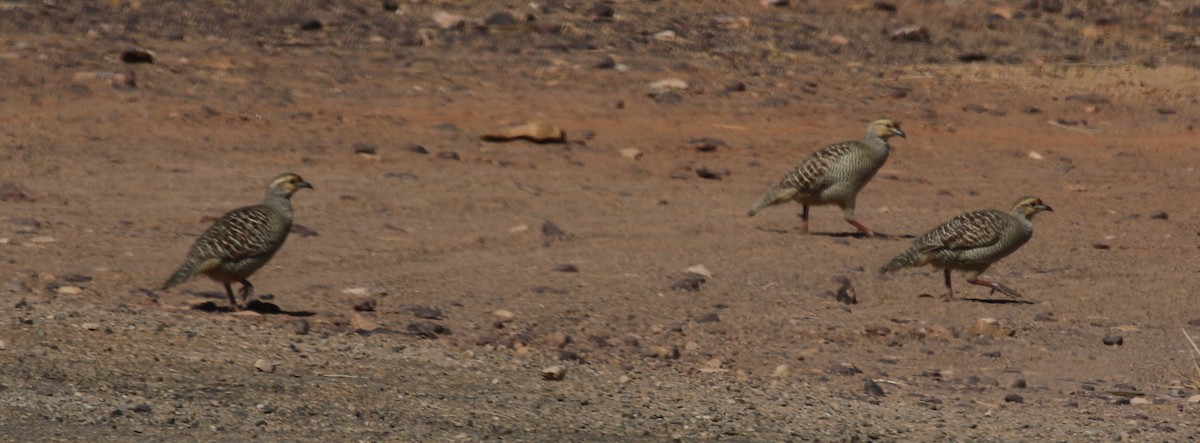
x=111 y=169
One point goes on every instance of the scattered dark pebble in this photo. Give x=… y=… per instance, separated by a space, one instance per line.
x=709 y=174
x=549 y=229
x=426 y=312
x=972 y=57
x=501 y=18
x=1192 y=322
x=14 y=192
x=568 y=356
x=449 y=155
x=1101 y=246
x=690 y=282
x=1014 y=398
x=1160 y=215
x=846 y=293
x=1165 y=111
x=884 y=6
x=311 y=25
x=1052 y=6
x=1114 y=340
x=606 y=63
x=992 y=354
x=300 y=326
x=1033 y=110
x=137 y=56
x=873 y=389
x=141 y=408
x=76 y=278
x=549 y=290
x=427 y=330
x=735 y=87
x=401 y=175
x=415 y=148
x=365 y=305
x=390 y=5
x=363 y=148
x=706 y=144
x=666 y=98
x=844 y=369
x=1045 y=316
x=600 y=12
x=1019 y=383
x=566 y=267
x=710 y=317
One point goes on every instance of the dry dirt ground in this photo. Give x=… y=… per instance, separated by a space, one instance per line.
x=111 y=169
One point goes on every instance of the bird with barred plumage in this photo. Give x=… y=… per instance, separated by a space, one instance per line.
x=243 y=240
x=834 y=174
x=972 y=242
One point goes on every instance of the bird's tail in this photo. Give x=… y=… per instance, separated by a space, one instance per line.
x=185 y=271
x=777 y=195
x=905 y=259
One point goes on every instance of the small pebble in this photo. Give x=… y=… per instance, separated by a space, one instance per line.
x=264 y=365
x=1114 y=340
x=1014 y=398
x=554 y=373
x=566 y=267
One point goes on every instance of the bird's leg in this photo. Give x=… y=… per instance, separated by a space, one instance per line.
x=848 y=214
x=996 y=287
x=804 y=220
x=949 y=288
x=232 y=301
x=247 y=291
x=861 y=228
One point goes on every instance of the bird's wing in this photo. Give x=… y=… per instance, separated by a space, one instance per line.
x=813 y=173
x=243 y=232
x=968 y=231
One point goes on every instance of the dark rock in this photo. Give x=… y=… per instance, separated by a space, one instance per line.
x=365 y=305
x=14 y=192
x=1014 y=398
x=600 y=12
x=606 y=63
x=569 y=356
x=363 y=148
x=1114 y=340
x=873 y=389
x=549 y=229
x=735 y=87
x=1165 y=111
x=76 y=278
x=1052 y=6
x=1192 y=322
x=426 y=312
x=415 y=148
x=311 y=25
x=846 y=293
x=690 y=282
x=1160 y=215
x=390 y=5
x=427 y=330
x=449 y=155
x=709 y=174
x=1033 y=110
x=710 y=317
x=881 y=5
x=141 y=408
x=1101 y=246
x=401 y=175
x=1019 y=383
x=300 y=326
x=844 y=369
x=542 y=289
x=909 y=33
x=566 y=267
x=972 y=57
x=706 y=144
x=666 y=98
x=137 y=56
x=992 y=354
x=501 y=18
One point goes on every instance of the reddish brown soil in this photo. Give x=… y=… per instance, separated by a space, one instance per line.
x=122 y=178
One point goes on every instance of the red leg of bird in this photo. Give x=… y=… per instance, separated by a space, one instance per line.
x=804 y=220
x=861 y=228
x=949 y=288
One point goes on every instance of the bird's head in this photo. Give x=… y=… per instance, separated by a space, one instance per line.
x=1028 y=206
x=287 y=184
x=884 y=129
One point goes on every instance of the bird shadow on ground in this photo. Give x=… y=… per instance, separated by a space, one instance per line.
x=999 y=301
x=878 y=235
x=260 y=307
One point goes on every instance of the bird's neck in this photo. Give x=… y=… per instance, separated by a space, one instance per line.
x=278 y=198
x=876 y=143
